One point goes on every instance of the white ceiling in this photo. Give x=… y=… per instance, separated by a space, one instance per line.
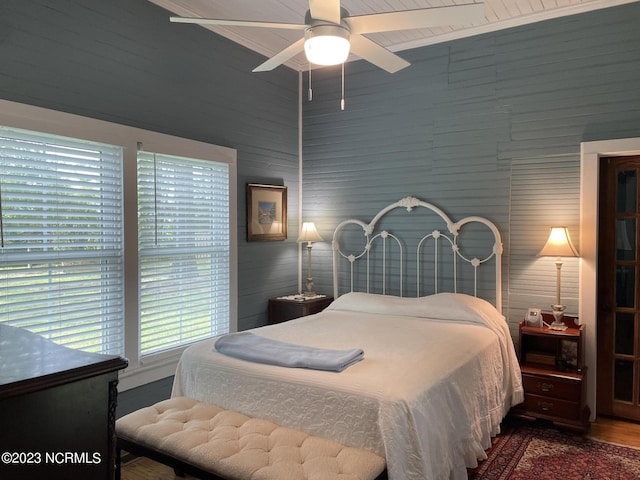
x=499 y=14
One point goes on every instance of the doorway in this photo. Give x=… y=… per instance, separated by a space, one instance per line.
x=590 y=155
x=618 y=288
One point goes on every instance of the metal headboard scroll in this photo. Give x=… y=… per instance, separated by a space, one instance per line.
x=450 y=238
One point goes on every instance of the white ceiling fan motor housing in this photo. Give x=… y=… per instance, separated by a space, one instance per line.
x=326 y=44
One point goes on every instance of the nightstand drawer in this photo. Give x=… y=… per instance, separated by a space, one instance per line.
x=552 y=387
x=552 y=407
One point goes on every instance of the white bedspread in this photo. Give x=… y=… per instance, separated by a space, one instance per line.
x=438 y=376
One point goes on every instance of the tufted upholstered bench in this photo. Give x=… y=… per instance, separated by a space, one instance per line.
x=209 y=442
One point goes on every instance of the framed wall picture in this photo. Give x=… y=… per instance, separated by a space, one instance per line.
x=266 y=212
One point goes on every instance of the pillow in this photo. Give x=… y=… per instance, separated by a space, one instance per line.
x=458 y=306
x=374 y=303
x=442 y=306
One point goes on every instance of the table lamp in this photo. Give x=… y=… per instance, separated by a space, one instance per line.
x=309 y=234
x=558 y=245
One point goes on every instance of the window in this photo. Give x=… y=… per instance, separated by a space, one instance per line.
x=183 y=241
x=61 y=239
x=95 y=229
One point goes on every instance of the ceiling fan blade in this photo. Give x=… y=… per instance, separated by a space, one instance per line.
x=328 y=10
x=236 y=23
x=374 y=53
x=421 y=18
x=281 y=57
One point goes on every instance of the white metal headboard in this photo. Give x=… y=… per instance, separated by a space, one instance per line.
x=450 y=239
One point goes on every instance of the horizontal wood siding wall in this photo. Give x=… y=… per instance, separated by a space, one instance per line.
x=124 y=62
x=545 y=192
x=489 y=125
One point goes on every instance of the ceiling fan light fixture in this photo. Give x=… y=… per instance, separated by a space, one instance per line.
x=326 y=44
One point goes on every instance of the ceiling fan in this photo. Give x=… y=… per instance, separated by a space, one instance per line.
x=330 y=33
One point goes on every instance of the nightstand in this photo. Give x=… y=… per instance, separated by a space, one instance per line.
x=554 y=374
x=286 y=308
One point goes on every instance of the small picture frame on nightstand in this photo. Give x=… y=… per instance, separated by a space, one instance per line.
x=569 y=353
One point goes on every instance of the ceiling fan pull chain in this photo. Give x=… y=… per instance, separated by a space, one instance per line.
x=342 y=99
x=310 y=91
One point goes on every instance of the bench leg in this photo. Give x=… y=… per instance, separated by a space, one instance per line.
x=118 y=463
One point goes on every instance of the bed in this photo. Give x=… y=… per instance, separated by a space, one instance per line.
x=439 y=371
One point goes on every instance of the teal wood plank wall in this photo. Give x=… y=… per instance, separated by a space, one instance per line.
x=485 y=125
x=124 y=62
x=489 y=125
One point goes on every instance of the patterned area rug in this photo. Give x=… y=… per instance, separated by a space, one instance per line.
x=528 y=451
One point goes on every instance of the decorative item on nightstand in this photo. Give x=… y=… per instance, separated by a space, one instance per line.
x=558 y=245
x=309 y=234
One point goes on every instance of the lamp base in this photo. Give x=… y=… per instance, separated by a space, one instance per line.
x=309 y=292
x=558 y=313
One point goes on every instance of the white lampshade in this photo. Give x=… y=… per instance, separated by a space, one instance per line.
x=559 y=244
x=326 y=44
x=309 y=233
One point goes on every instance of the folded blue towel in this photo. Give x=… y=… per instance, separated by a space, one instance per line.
x=247 y=346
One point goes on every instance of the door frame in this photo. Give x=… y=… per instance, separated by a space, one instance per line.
x=590 y=154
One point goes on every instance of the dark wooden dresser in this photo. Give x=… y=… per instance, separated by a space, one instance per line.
x=57 y=409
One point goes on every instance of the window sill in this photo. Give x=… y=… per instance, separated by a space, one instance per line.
x=150 y=370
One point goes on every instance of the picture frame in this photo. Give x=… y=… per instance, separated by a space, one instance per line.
x=266 y=212
x=569 y=354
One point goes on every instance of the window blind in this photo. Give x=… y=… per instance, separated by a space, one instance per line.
x=61 y=239
x=184 y=248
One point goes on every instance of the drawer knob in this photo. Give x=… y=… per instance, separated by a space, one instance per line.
x=545 y=406
x=545 y=387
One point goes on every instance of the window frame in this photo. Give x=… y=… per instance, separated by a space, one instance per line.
x=63 y=238
x=163 y=185
x=155 y=367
